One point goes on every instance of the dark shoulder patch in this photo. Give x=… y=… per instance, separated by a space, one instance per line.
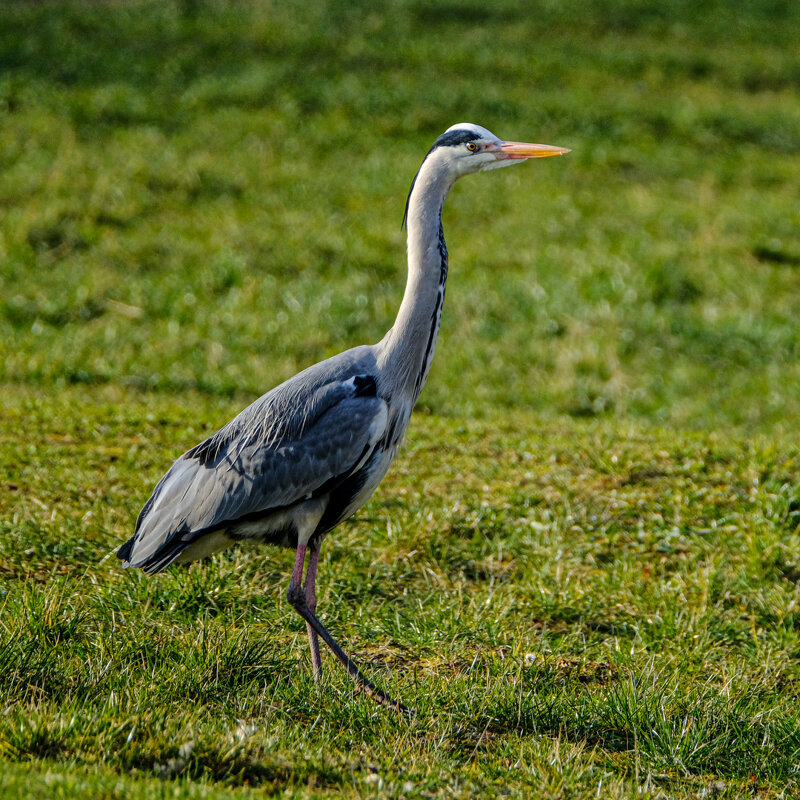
x=365 y=386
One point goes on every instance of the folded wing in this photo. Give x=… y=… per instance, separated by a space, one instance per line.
x=285 y=448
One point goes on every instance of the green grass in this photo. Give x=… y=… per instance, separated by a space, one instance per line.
x=563 y=605
x=583 y=569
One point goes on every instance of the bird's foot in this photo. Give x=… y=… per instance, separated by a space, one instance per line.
x=298 y=601
x=373 y=692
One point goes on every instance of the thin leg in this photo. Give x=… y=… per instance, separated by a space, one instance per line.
x=311 y=599
x=299 y=602
x=311 y=602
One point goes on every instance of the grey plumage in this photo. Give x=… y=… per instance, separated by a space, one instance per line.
x=309 y=453
x=305 y=437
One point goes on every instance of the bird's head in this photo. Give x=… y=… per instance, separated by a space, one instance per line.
x=468 y=148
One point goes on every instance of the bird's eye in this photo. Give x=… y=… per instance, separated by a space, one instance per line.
x=472 y=147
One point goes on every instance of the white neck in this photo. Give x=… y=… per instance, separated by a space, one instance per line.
x=407 y=349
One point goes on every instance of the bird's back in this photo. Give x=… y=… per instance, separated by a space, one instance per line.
x=323 y=438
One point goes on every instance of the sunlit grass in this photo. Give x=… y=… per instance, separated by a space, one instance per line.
x=562 y=603
x=582 y=572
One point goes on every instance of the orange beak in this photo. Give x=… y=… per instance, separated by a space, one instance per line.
x=526 y=150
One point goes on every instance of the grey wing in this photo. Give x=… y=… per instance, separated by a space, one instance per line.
x=257 y=464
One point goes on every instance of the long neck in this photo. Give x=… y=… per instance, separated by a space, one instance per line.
x=409 y=346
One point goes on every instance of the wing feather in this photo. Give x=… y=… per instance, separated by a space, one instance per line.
x=265 y=459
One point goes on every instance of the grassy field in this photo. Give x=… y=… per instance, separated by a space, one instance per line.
x=583 y=569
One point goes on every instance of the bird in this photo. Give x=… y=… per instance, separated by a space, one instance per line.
x=308 y=454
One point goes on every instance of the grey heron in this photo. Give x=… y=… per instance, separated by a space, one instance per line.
x=310 y=452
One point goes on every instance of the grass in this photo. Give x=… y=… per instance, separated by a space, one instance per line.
x=563 y=607
x=583 y=569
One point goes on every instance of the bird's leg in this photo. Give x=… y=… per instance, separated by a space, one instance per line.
x=310 y=598
x=296 y=595
x=311 y=602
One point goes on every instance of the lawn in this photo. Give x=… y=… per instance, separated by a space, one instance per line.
x=582 y=570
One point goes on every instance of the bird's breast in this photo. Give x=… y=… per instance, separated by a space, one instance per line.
x=350 y=495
